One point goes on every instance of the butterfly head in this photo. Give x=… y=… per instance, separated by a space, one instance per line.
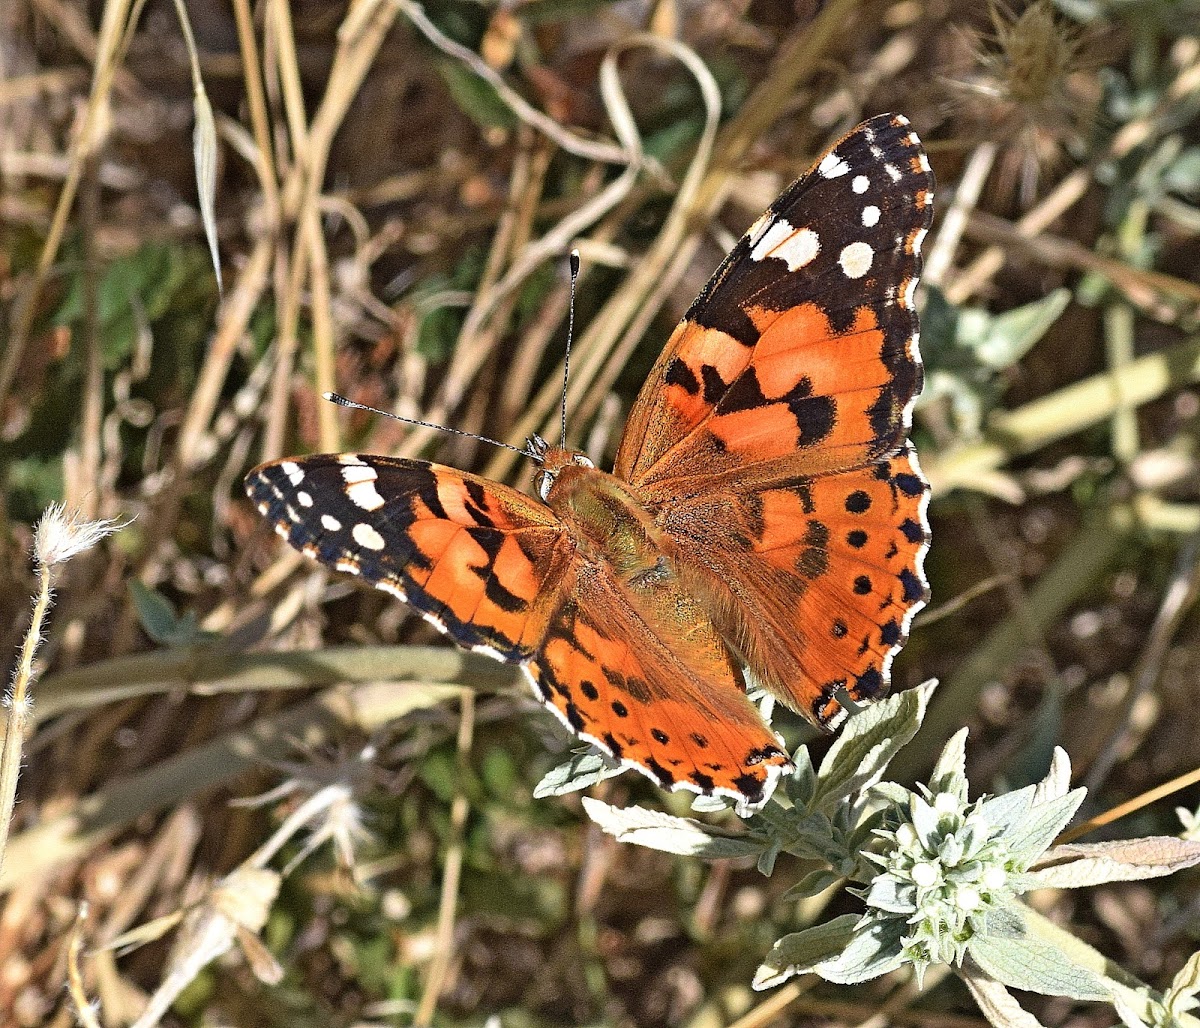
x=553 y=462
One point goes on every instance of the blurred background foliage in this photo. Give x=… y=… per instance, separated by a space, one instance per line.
x=379 y=204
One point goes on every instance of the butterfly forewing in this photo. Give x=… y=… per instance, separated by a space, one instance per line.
x=479 y=560
x=801 y=351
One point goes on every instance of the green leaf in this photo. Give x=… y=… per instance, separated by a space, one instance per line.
x=658 y=831
x=1013 y=334
x=1035 y=966
x=813 y=884
x=950 y=772
x=1028 y=838
x=800 y=952
x=475 y=97
x=874 y=950
x=869 y=740
x=584 y=769
x=155 y=613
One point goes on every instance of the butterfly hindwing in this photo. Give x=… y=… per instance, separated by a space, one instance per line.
x=802 y=350
x=479 y=560
x=818 y=579
x=643 y=673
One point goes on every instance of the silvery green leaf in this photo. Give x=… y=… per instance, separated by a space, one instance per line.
x=995 y=1002
x=889 y=793
x=767 y=858
x=864 y=830
x=1005 y=811
x=813 y=884
x=801 y=783
x=584 y=769
x=1057 y=780
x=925 y=820
x=1079 y=864
x=873 y=950
x=891 y=894
x=950 y=771
x=869 y=740
x=1005 y=923
x=800 y=952
x=204 y=146
x=1035 y=966
x=1011 y=334
x=1029 y=837
x=658 y=831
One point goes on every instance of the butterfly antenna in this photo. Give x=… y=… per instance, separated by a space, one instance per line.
x=574 y=259
x=342 y=401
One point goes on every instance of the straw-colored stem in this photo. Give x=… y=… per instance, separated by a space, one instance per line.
x=18 y=721
x=443 y=949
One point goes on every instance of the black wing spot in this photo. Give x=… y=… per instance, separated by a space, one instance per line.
x=660 y=736
x=620 y=709
x=615 y=747
x=862 y=585
x=869 y=683
x=507 y=601
x=913 y=532
x=858 y=502
x=714 y=385
x=678 y=373
x=914 y=588
x=910 y=485
x=699 y=740
x=889 y=633
x=856 y=538
x=589 y=690
x=840 y=629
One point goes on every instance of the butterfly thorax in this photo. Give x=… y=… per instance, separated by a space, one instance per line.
x=606 y=519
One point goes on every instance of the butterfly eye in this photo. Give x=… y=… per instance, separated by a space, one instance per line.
x=544 y=481
x=582 y=461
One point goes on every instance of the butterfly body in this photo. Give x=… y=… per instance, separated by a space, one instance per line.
x=765 y=509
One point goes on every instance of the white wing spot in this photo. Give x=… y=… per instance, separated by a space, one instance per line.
x=364 y=495
x=832 y=166
x=360 y=486
x=918 y=239
x=870 y=216
x=893 y=172
x=860 y=184
x=367 y=537
x=923 y=161
x=856 y=259
x=391 y=587
x=295 y=474
x=351 y=459
x=330 y=523
x=305 y=498
x=795 y=246
x=910 y=291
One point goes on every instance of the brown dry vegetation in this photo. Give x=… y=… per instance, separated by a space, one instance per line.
x=392 y=227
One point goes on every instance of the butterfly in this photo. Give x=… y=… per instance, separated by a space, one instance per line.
x=766 y=510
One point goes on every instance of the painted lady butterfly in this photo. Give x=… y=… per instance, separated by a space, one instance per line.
x=766 y=508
